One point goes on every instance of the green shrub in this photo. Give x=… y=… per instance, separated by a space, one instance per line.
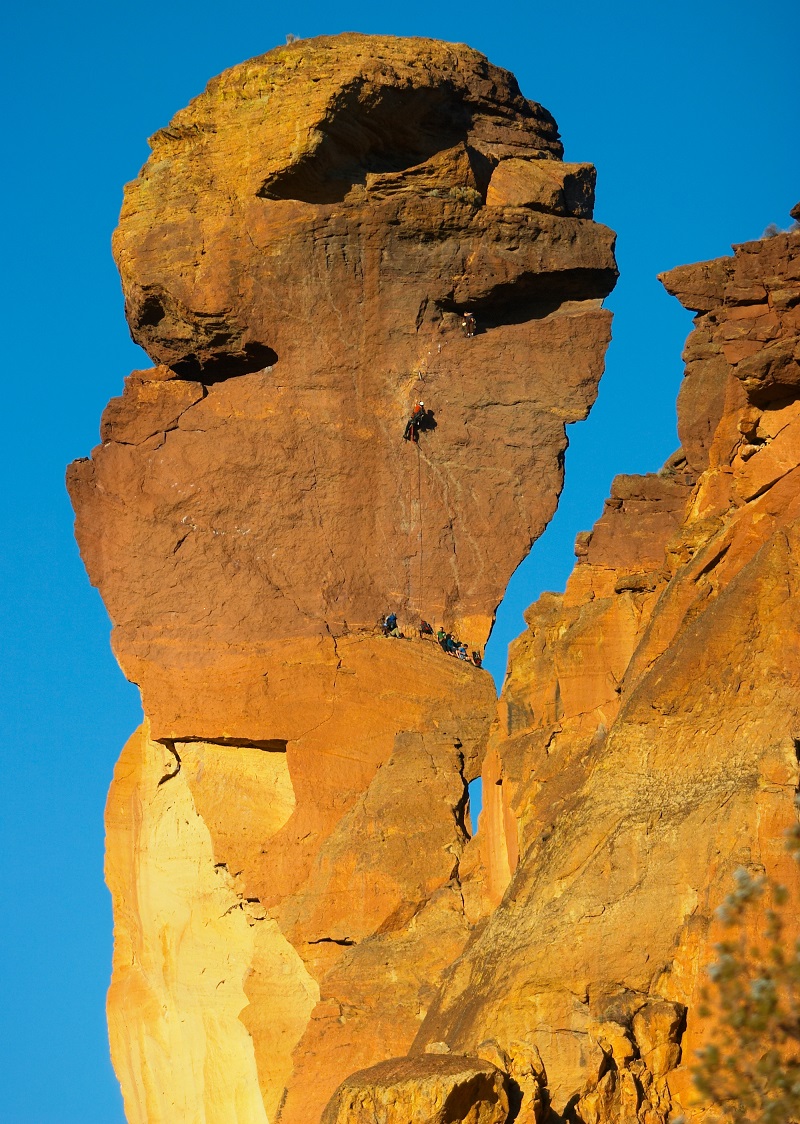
x=750 y=1070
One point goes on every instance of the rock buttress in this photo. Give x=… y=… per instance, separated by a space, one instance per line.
x=285 y=832
x=649 y=730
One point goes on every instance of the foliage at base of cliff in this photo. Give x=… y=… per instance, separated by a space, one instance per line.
x=751 y=1068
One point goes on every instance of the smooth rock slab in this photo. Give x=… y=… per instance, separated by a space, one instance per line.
x=434 y=1089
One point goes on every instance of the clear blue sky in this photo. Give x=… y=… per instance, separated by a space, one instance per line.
x=689 y=112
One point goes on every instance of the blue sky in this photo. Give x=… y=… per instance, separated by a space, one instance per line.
x=689 y=113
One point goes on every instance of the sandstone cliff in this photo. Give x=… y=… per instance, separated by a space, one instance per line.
x=296 y=893
x=286 y=831
x=648 y=735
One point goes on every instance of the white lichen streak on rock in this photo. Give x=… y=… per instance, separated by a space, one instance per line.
x=185 y=942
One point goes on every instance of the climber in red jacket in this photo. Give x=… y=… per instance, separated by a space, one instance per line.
x=414 y=422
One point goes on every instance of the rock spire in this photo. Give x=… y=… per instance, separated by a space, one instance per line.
x=302 y=918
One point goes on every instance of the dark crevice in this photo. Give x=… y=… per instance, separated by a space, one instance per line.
x=270 y=745
x=152 y=312
x=462 y=807
x=216 y=368
x=681 y=1028
x=345 y=941
x=170 y=745
x=713 y=562
x=515 y=1099
x=534 y=296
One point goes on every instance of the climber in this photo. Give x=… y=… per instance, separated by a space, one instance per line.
x=468 y=325
x=425 y=629
x=441 y=636
x=414 y=422
x=389 y=624
x=476 y=659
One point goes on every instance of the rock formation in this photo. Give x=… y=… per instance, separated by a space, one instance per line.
x=285 y=832
x=436 y=1088
x=301 y=917
x=648 y=734
x=294 y=256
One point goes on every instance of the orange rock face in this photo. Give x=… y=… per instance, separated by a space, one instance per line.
x=439 y=1090
x=295 y=254
x=648 y=735
x=286 y=832
x=296 y=894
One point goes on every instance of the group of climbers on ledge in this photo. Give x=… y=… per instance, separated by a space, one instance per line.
x=453 y=647
x=447 y=642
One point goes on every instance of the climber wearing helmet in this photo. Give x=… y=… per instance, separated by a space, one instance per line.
x=413 y=424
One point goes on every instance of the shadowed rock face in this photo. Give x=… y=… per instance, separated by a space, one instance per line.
x=285 y=832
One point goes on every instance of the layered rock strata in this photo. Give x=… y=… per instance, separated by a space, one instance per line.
x=285 y=832
x=648 y=735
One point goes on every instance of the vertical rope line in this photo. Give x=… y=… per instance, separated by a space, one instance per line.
x=419 y=505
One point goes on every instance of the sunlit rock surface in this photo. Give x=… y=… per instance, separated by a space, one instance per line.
x=286 y=831
x=295 y=255
x=301 y=917
x=439 y=1089
x=648 y=732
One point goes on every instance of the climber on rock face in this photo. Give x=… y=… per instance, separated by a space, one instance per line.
x=468 y=325
x=413 y=424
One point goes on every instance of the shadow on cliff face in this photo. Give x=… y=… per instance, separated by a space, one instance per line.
x=268 y=745
x=428 y=422
x=216 y=368
x=221 y=354
x=533 y=296
x=394 y=129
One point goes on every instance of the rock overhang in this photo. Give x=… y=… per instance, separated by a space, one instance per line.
x=259 y=156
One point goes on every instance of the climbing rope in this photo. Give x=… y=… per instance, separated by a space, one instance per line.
x=419 y=508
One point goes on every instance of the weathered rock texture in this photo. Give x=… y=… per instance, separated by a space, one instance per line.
x=438 y=1089
x=297 y=897
x=285 y=832
x=294 y=255
x=649 y=731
